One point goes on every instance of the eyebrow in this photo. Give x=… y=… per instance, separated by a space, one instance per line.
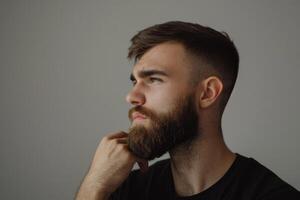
x=146 y=73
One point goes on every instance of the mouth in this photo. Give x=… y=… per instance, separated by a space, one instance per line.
x=139 y=119
x=138 y=116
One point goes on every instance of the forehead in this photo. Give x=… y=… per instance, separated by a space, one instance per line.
x=169 y=57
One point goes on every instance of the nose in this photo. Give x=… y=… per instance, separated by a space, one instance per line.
x=135 y=97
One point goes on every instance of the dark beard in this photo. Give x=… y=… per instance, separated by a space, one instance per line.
x=166 y=131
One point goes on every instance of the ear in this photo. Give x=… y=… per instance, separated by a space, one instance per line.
x=211 y=89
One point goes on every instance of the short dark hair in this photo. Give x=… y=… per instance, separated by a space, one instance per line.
x=207 y=45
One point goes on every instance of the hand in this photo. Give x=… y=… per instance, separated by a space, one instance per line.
x=111 y=165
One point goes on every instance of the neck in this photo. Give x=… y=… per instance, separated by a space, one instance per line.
x=199 y=164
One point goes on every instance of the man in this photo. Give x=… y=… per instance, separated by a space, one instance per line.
x=183 y=76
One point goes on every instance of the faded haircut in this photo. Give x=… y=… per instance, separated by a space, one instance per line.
x=213 y=49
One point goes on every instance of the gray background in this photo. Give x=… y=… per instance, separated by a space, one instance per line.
x=64 y=77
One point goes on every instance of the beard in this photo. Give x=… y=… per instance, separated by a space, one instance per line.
x=165 y=131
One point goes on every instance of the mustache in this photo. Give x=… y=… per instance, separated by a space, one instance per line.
x=144 y=111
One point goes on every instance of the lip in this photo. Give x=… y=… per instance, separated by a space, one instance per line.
x=137 y=115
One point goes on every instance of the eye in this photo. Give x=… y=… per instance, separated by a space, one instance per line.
x=133 y=82
x=154 y=79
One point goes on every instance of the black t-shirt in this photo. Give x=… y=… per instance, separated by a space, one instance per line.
x=246 y=179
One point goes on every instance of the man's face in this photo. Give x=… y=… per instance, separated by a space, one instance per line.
x=164 y=113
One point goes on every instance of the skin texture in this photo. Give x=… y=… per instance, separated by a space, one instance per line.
x=195 y=168
x=111 y=165
x=207 y=158
x=165 y=131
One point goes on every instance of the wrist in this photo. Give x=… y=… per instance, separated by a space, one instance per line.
x=92 y=189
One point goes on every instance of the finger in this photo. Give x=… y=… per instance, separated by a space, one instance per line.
x=116 y=135
x=122 y=140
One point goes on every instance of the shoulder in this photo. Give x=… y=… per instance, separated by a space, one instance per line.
x=264 y=182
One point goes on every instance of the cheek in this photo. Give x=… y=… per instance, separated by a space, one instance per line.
x=162 y=100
